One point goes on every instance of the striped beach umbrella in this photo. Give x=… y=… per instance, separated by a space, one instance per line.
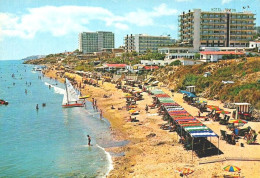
x=238 y=121
x=223 y=112
x=230 y=168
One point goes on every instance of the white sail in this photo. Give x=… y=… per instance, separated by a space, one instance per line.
x=64 y=101
x=71 y=94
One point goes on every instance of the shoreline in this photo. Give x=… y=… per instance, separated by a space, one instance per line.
x=161 y=154
x=110 y=161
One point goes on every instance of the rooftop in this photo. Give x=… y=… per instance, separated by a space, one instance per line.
x=116 y=65
x=221 y=52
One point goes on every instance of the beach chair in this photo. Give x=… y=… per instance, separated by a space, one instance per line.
x=242 y=132
x=223 y=134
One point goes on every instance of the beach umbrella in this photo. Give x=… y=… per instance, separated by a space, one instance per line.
x=214 y=108
x=200 y=101
x=128 y=94
x=239 y=121
x=132 y=106
x=223 y=112
x=132 y=111
x=185 y=171
x=230 y=168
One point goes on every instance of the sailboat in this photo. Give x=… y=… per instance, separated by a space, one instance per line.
x=71 y=96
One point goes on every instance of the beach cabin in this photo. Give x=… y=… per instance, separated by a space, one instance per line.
x=190 y=89
x=242 y=110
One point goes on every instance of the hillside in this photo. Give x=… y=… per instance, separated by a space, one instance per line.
x=244 y=73
x=33 y=57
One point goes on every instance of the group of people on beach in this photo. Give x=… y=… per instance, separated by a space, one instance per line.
x=95 y=107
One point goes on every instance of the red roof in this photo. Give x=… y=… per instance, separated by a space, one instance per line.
x=221 y=52
x=116 y=65
x=150 y=67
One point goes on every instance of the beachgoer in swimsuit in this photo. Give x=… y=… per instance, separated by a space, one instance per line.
x=89 y=140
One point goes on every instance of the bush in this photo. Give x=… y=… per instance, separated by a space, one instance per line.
x=175 y=63
x=197 y=56
x=224 y=72
x=250 y=55
x=190 y=79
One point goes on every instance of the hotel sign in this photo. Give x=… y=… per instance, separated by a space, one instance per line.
x=216 y=9
x=219 y=10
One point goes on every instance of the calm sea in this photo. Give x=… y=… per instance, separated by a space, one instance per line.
x=50 y=142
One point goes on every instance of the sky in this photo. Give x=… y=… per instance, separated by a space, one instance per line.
x=41 y=27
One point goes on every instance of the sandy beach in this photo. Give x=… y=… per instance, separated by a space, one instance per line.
x=160 y=155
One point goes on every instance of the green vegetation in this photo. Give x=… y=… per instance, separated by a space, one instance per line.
x=197 y=56
x=244 y=73
x=175 y=63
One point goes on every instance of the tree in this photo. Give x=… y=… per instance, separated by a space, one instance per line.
x=197 y=56
x=134 y=53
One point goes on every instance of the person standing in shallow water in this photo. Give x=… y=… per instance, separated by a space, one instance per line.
x=89 y=140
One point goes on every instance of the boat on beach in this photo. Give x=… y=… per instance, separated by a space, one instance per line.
x=71 y=96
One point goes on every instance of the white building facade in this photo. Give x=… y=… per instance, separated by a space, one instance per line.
x=142 y=42
x=90 y=42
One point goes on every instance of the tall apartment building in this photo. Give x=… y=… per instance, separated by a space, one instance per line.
x=90 y=42
x=216 y=28
x=142 y=42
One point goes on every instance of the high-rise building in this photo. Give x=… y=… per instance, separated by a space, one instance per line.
x=90 y=42
x=142 y=42
x=216 y=28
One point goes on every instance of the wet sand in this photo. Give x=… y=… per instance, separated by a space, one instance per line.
x=161 y=155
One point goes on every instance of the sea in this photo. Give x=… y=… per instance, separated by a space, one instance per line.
x=51 y=141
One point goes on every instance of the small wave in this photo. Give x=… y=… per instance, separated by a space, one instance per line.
x=109 y=158
x=47 y=84
x=56 y=89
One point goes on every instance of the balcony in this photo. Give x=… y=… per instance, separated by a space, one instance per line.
x=235 y=29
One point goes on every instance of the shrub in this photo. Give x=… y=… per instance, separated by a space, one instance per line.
x=175 y=63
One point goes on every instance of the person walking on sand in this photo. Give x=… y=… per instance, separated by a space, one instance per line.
x=89 y=140
x=146 y=108
x=199 y=113
x=101 y=115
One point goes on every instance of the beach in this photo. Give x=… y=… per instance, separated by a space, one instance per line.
x=153 y=152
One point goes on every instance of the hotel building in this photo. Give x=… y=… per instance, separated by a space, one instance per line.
x=216 y=28
x=142 y=42
x=90 y=42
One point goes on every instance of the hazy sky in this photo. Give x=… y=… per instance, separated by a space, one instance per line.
x=30 y=27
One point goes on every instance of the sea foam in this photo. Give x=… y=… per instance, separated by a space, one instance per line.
x=109 y=159
x=56 y=89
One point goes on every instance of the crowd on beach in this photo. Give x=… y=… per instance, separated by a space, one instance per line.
x=133 y=94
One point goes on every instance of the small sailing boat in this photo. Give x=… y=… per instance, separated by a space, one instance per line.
x=71 y=96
